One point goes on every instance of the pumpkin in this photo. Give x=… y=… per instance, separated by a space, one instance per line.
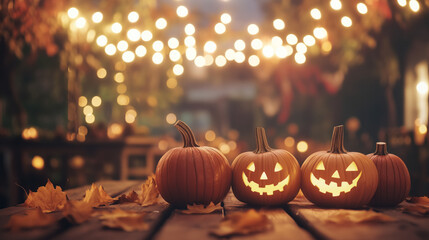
x=337 y=178
x=265 y=176
x=393 y=178
x=192 y=174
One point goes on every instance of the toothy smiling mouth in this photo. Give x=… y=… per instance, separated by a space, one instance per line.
x=268 y=189
x=333 y=187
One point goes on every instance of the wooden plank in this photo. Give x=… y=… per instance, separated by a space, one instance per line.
x=405 y=227
x=113 y=188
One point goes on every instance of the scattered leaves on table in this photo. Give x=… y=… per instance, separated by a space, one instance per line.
x=201 y=209
x=131 y=197
x=77 y=212
x=32 y=218
x=120 y=219
x=243 y=223
x=343 y=216
x=418 y=206
x=149 y=194
x=47 y=198
x=96 y=196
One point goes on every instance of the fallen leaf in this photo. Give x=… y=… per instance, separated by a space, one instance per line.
x=416 y=209
x=32 y=218
x=418 y=200
x=343 y=216
x=243 y=223
x=47 y=198
x=149 y=194
x=77 y=212
x=201 y=209
x=131 y=197
x=96 y=196
x=120 y=219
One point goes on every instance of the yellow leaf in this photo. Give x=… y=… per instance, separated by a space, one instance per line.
x=47 y=198
x=32 y=218
x=131 y=197
x=96 y=196
x=343 y=216
x=243 y=223
x=149 y=194
x=201 y=209
x=77 y=211
x=127 y=221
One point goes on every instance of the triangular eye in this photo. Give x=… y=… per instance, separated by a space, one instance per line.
x=278 y=168
x=251 y=167
x=352 y=167
x=320 y=166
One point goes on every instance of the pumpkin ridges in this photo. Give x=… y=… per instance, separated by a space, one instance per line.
x=213 y=166
x=193 y=177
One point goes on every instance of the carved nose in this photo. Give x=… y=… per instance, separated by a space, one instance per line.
x=336 y=175
x=264 y=176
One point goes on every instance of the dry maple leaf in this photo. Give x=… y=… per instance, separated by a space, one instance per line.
x=201 y=209
x=127 y=221
x=343 y=216
x=31 y=219
x=96 y=196
x=77 y=212
x=47 y=198
x=131 y=197
x=149 y=194
x=243 y=223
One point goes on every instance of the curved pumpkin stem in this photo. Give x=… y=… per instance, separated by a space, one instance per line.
x=261 y=141
x=381 y=148
x=187 y=134
x=337 y=142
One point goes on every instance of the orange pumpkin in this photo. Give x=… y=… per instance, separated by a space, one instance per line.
x=192 y=174
x=393 y=178
x=337 y=178
x=265 y=176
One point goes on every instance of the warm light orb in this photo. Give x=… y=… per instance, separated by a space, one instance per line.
x=254 y=61
x=256 y=44
x=119 y=77
x=178 y=69
x=37 y=162
x=414 y=5
x=80 y=23
x=220 y=28
x=239 y=57
x=82 y=101
x=128 y=56
x=97 y=17
x=315 y=13
x=208 y=59
x=279 y=24
x=101 y=73
x=423 y=129
x=171 y=83
x=268 y=51
x=174 y=55
x=182 y=11
x=289 y=142
x=191 y=53
x=289 y=50
x=96 y=101
x=161 y=23
x=110 y=49
x=309 y=40
x=224 y=148
x=276 y=41
x=122 y=45
x=402 y=3
x=141 y=51
x=291 y=39
x=225 y=18
x=157 y=45
x=362 y=8
x=101 y=40
x=189 y=29
x=133 y=17
x=146 y=35
x=336 y=4
x=157 y=58
x=210 y=47
x=73 y=12
x=281 y=52
x=171 y=118
x=422 y=88
x=239 y=45
x=302 y=146
x=326 y=47
x=133 y=34
x=121 y=88
x=123 y=100
x=90 y=119
x=320 y=33
x=173 y=43
x=230 y=54
x=88 y=110
x=346 y=21
x=301 y=48
x=116 y=27
x=220 y=61
x=252 y=29
x=210 y=135
x=189 y=41
x=300 y=58
x=200 y=61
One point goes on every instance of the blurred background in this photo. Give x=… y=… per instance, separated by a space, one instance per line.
x=90 y=90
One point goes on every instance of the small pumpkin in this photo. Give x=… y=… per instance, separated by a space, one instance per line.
x=265 y=176
x=337 y=178
x=393 y=178
x=192 y=174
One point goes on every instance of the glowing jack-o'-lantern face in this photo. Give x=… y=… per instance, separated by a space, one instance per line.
x=268 y=189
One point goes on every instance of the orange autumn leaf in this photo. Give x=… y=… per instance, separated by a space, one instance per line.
x=201 y=209
x=120 y=219
x=96 y=196
x=77 y=211
x=419 y=206
x=47 y=198
x=32 y=218
x=419 y=200
x=344 y=216
x=149 y=194
x=243 y=223
x=131 y=197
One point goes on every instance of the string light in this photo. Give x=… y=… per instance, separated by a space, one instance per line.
x=128 y=56
x=189 y=29
x=110 y=49
x=133 y=17
x=116 y=27
x=97 y=17
x=173 y=43
x=279 y=24
x=119 y=77
x=253 y=60
x=122 y=45
x=309 y=40
x=140 y=51
x=189 y=41
x=326 y=47
x=414 y=5
x=315 y=13
x=220 y=61
x=133 y=34
x=121 y=88
x=157 y=45
x=302 y=146
x=157 y=58
x=174 y=55
x=210 y=47
x=230 y=54
x=256 y=44
x=320 y=33
x=276 y=41
x=37 y=162
x=291 y=39
x=101 y=40
x=161 y=23
x=225 y=18
x=336 y=4
x=73 y=12
x=200 y=61
x=171 y=83
x=402 y=3
x=178 y=69
x=171 y=118
x=346 y=21
x=362 y=8
x=123 y=100
x=300 y=58
x=101 y=73
x=252 y=29
x=90 y=119
x=210 y=135
x=208 y=59
x=182 y=11
x=191 y=53
x=96 y=101
x=220 y=28
x=239 y=45
x=268 y=51
x=82 y=101
x=301 y=48
x=239 y=57
x=147 y=35
x=80 y=23
x=87 y=110
x=281 y=52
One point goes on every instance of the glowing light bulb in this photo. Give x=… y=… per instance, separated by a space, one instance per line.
x=320 y=33
x=239 y=57
x=191 y=53
x=157 y=45
x=110 y=49
x=157 y=58
x=189 y=29
x=133 y=34
x=300 y=58
x=171 y=118
x=225 y=18
x=210 y=135
x=88 y=110
x=122 y=45
x=123 y=100
x=281 y=52
x=119 y=77
x=422 y=88
x=73 y=12
x=362 y=8
x=200 y=61
x=220 y=61
x=182 y=11
x=256 y=44
x=301 y=48
x=210 y=47
x=101 y=40
x=173 y=43
x=171 y=83
x=302 y=146
x=161 y=23
x=38 y=163
x=133 y=17
x=178 y=69
x=208 y=59
x=336 y=4
x=128 y=56
x=230 y=54
x=116 y=27
x=239 y=45
x=189 y=41
x=276 y=41
x=291 y=39
x=309 y=40
x=80 y=22
x=101 y=73
x=174 y=55
x=279 y=24
x=254 y=61
x=82 y=101
x=146 y=35
x=268 y=51
x=414 y=5
x=97 y=17
x=326 y=47
x=315 y=13
x=96 y=101
x=141 y=51
x=402 y=3
x=220 y=28
x=346 y=21
x=252 y=29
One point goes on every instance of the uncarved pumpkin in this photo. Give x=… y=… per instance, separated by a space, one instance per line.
x=393 y=178
x=192 y=174
x=265 y=176
x=337 y=178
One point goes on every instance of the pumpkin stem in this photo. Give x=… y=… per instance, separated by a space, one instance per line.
x=337 y=142
x=380 y=148
x=187 y=134
x=261 y=141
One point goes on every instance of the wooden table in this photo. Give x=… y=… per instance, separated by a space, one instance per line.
x=297 y=220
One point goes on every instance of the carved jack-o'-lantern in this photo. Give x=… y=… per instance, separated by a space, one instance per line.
x=266 y=176
x=337 y=178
